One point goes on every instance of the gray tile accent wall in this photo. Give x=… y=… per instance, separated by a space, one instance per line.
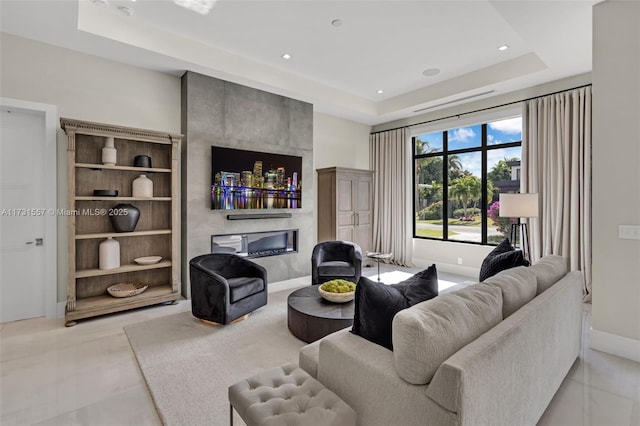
x=218 y=112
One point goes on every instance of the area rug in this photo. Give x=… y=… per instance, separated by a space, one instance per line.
x=189 y=366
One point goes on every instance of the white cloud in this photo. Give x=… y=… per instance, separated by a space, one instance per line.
x=495 y=155
x=472 y=162
x=462 y=135
x=510 y=125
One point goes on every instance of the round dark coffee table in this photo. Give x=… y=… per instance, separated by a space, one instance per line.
x=310 y=317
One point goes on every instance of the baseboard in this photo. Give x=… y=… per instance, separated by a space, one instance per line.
x=615 y=345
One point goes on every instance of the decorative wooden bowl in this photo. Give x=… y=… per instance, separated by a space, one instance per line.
x=126 y=289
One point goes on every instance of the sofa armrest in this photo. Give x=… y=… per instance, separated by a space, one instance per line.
x=208 y=286
x=308 y=358
x=363 y=375
x=509 y=374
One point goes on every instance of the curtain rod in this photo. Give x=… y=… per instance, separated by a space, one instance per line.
x=482 y=109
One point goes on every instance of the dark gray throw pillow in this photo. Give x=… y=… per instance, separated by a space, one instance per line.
x=503 y=257
x=377 y=303
x=420 y=287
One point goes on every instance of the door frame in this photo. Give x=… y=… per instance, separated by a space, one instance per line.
x=50 y=197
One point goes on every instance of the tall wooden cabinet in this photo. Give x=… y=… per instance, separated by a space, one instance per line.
x=345 y=205
x=157 y=231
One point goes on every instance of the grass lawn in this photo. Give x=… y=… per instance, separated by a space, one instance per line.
x=432 y=233
x=477 y=221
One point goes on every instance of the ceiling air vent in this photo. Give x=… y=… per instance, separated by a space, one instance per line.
x=455 y=100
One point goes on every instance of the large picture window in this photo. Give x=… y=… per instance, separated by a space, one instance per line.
x=458 y=176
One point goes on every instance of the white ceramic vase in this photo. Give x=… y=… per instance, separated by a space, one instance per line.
x=109 y=254
x=142 y=187
x=109 y=152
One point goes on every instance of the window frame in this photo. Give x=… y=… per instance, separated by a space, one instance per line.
x=484 y=150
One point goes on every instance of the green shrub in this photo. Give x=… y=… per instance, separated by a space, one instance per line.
x=338 y=286
x=471 y=211
x=431 y=212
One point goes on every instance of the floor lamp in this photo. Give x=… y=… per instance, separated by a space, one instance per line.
x=519 y=206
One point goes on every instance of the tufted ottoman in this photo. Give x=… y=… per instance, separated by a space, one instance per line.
x=287 y=395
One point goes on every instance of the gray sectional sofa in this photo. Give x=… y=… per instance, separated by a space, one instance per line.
x=492 y=353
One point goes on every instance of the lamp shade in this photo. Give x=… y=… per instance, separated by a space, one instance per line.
x=518 y=205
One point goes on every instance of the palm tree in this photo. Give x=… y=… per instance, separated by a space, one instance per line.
x=454 y=166
x=423 y=146
x=501 y=170
x=454 y=162
x=466 y=189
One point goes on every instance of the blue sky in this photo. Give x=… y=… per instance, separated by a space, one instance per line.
x=501 y=131
x=509 y=130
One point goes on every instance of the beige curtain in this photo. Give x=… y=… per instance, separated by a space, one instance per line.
x=387 y=157
x=556 y=164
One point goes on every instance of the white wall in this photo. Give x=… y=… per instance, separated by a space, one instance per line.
x=339 y=143
x=445 y=255
x=90 y=88
x=85 y=87
x=616 y=177
x=489 y=103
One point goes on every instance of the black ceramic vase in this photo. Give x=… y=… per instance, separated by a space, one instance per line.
x=124 y=217
x=142 y=161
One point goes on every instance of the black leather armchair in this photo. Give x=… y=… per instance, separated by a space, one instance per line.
x=225 y=287
x=336 y=259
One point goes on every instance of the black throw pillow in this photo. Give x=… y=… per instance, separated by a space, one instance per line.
x=377 y=303
x=503 y=257
x=420 y=287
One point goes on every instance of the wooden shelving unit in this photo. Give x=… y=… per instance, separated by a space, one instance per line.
x=157 y=231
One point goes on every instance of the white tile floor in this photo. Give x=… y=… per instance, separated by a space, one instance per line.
x=88 y=375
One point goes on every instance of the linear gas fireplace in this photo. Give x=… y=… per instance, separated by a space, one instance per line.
x=256 y=244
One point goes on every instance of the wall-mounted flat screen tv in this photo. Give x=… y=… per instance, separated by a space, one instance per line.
x=243 y=179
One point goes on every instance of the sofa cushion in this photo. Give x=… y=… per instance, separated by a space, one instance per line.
x=430 y=332
x=518 y=286
x=504 y=256
x=239 y=288
x=549 y=270
x=377 y=303
x=336 y=268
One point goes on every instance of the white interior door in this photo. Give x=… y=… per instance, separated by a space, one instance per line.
x=23 y=214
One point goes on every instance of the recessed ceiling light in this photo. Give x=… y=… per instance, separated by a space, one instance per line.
x=286 y=56
x=200 y=6
x=380 y=91
x=503 y=47
x=431 y=72
x=336 y=22
x=126 y=10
